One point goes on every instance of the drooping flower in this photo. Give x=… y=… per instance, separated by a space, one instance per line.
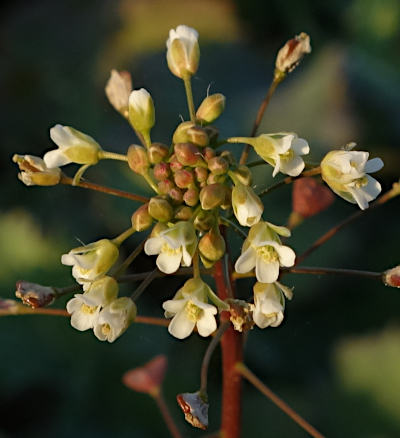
x=114 y=319
x=34 y=171
x=346 y=173
x=175 y=246
x=269 y=303
x=247 y=206
x=183 y=51
x=73 y=147
x=264 y=251
x=85 y=308
x=190 y=308
x=92 y=261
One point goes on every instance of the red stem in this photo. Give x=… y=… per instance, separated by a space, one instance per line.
x=232 y=353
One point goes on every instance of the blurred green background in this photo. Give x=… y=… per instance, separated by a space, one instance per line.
x=336 y=357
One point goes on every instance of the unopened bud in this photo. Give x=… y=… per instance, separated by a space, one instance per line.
x=118 y=90
x=290 y=55
x=141 y=218
x=184 y=178
x=34 y=295
x=212 y=196
x=137 y=159
x=161 y=171
x=201 y=174
x=228 y=156
x=243 y=174
x=191 y=196
x=148 y=378
x=165 y=186
x=214 y=178
x=391 y=277
x=160 y=209
x=212 y=245
x=204 y=221
x=211 y=108
x=174 y=164
x=212 y=133
x=188 y=154
x=183 y=213
x=176 y=195
x=218 y=165
x=180 y=135
x=198 y=136
x=195 y=408
x=208 y=154
x=141 y=111
x=241 y=315
x=158 y=152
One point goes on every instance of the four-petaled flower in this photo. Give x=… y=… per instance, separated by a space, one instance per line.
x=263 y=250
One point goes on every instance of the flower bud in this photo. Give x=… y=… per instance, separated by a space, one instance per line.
x=141 y=110
x=35 y=295
x=218 y=165
x=158 y=228
x=147 y=378
x=212 y=133
x=204 y=220
x=191 y=196
x=290 y=55
x=35 y=172
x=161 y=171
x=160 y=209
x=212 y=245
x=198 y=136
x=195 y=408
x=157 y=152
x=118 y=90
x=247 y=206
x=242 y=174
x=180 y=135
x=211 y=108
x=213 y=178
x=183 y=51
x=188 y=154
x=391 y=277
x=184 y=178
x=228 y=156
x=183 y=213
x=174 y=164
x=165 y=186
x=208 y=153
x=176 y=195
x=201 y=174
x=212 y=196
x=141 y=218
x=137 y=159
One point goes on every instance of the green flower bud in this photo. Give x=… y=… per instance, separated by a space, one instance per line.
x=165 y=186
x=180 y=134
x=204 y=220
x=184 y=178
x=201 y=174
x=138 y=160
x=242 y=174
x=213 y=178
x=211 y=108
x=198 y=136
x=212 y=133
x=212 y=245
x=141 y=218
x=212 y=196
x=183 y=213
x=157 y=152
x=141 y=111
x=160 y=209
x=218 y=165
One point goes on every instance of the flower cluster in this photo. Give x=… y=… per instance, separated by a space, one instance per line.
x=197 y=188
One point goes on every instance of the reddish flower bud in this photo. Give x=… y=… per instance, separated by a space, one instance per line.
x=176 y=195
x=391 y=277
x=161 y=171
x=174 y=164
x=184 y=178
x=208 y=153
x=148 y=378
x=201 y=174
x=191 y=196
x=212 y=196
x=141 y=218
x=138 y=160
x=188 y=154
x=157 y=152
x=212 y=245
x=165 y=186
x=218 y=165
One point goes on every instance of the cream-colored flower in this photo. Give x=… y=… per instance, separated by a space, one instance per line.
x=114 y=319
x=34 y=171
x=73 y=147
x=175 y=246
x=92 y=261
x=118 y=89
x=346 y=173
x=263 y=251
x=183 y=51
x=247 y=206
x=85 y=308
x=190 y=308
x=141 y=110
x=269 y=303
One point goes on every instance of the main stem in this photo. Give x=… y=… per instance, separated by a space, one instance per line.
x=232 y=353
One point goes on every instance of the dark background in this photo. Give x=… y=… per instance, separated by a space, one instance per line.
x=336 y=357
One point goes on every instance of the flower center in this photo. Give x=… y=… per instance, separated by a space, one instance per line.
x=106 y=329
x=361 y=182
x=267 y=253
x=170 y=251
x=88 y=309
x=193 y=312
x=287 y=156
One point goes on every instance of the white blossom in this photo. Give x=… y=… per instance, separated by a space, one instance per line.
x=141 y=110
x=35 y=172
x=346 y=173
x=183 y=51
x=247 y=206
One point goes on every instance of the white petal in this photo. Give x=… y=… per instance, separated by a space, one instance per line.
x=300 y=146
x=372 y=189
x=173 y=306
x=246 y=262
x=186 y=257
x=267 y=272
x=373 y=165
x=168 y=263
x=55 y=158
x=153 y=245
x=292 y=167
x=360 y=197
x=68 y=259
x=283 y=231
x=286 y=255
x=277 y=166
x=206 y=324
x=180 y=326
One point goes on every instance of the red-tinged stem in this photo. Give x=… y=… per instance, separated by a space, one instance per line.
x=169 y=421
x=232 y=353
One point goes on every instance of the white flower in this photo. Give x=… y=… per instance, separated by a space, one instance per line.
x=118 y=89
x=247 y=206
x=114 y=319
x=92 y=261
x=269 y=303
x=73 y=147
x=189 y=308
x=141 y=110
x=183 y=51
x=35 y=172
x=346 y=174
x=175 y=246
x=263 y=250
x=85 y=308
